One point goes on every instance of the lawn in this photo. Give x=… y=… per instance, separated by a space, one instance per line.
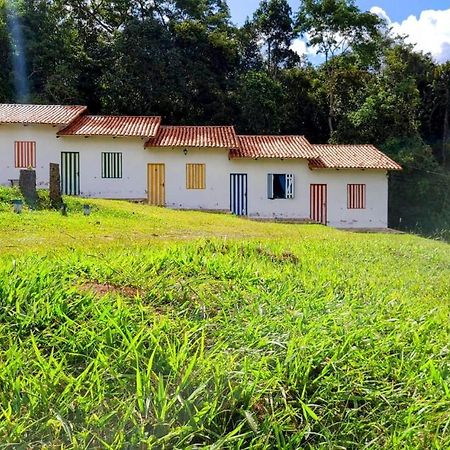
x=139 y=327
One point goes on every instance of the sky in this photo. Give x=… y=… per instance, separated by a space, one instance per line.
x=425 y=22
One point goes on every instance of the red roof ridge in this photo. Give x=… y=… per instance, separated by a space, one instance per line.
x=273 y=146
x=120 y=116
x=352 y=156
x=118 y=126
x=272 y=135
x=42 y=105
x=207 y=136
x=40 y=114
x=197 y=126
x=342 y=145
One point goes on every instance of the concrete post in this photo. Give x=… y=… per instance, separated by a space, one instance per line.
x=27 y=184
x=55 y=186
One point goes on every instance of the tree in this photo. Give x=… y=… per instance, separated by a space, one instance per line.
x=5 y=57
x=441 y=103
x=260 y=99
x=419 y=195
x=303 y=111
x=144 y=77
x=55 y=56
x=181 y=66
x=389 y=103
x=337 y=28
x=274 y=23
x=250 y=57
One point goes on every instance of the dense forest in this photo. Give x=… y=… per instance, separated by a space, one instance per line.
x=187 y=61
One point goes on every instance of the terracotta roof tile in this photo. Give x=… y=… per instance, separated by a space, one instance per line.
x=352 y=157
x=40 y=114
x=120 y=126
x=192 y=136
x=288 y=147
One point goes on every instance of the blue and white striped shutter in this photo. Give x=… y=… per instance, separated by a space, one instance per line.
x=290 y=188
x=238 y=194
x=270 y=186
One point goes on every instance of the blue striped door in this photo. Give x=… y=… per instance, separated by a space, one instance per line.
x=238 y=194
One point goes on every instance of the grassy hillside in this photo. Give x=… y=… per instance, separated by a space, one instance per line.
x=146 y=328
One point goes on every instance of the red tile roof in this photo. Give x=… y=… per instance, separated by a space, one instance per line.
x=120 y=126
x=352 y=157
x=40 y=114
x=286 y=147
x=191 y=136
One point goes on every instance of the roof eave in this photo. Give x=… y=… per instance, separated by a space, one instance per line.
x=86 y=135
x=269 y=157
x=150 y=145
x=335 y=167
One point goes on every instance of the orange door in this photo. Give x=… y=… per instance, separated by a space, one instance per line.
x=318 y=193
x=157 y=184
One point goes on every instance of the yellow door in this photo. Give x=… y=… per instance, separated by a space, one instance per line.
x=157 y=184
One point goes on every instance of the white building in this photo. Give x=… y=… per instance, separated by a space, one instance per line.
x=187 y=167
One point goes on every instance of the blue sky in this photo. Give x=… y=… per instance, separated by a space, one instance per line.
x=426 y=23
x=396 y=9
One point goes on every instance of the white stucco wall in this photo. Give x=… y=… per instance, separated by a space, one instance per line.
x=217 y=192
x=49 y=148
x=374 y=216
x=132 y=185
x=216 y=196
x=46 y=150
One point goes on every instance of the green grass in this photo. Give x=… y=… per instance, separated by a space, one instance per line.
x=139 y=327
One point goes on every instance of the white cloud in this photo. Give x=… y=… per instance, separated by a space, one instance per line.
x=429 y=33
x=380 y=12
x=298 y=46
x=301 y=47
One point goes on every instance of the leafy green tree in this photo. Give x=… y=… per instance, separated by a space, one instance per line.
x=390 y=103
x=304 y=109
x=53 y=53
x=439 y=117
x=419 y=196
x=144 y=75
x=5 y=57
x=274 y=24
x=182 y=67
x=260 y=99
x=250 y=57
x=337 y=28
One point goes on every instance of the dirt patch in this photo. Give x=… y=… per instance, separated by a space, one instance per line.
x=102 y=289
x=285 y=257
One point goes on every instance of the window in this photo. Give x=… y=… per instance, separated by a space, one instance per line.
x=111 y=165
x=356 y=196
x=195 y=176
x=25 y=154
x=280 y=185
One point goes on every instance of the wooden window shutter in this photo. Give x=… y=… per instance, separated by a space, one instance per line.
x=25 y=154
x=290 y=189
x=195 y=176
x=111 y=165
x=270 y=193
x=356 y=196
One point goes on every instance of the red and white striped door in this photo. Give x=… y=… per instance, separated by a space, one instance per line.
x=318 y=195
